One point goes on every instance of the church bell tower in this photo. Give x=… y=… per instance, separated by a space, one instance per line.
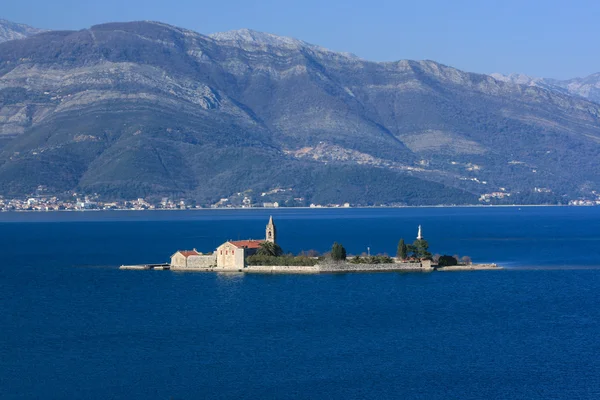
x=271 y=232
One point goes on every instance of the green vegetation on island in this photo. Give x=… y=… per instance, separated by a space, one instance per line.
x=283 y=260
x=269 y=253
x=269 y=249
x=377 y=259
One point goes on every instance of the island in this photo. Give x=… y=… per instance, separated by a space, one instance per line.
x=266 y=256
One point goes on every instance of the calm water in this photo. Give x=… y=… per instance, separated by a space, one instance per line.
x=73 y=326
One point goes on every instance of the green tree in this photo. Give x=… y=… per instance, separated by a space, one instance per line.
x=446 y=261
x=269 y=249
x=402 y=252
x=338 y=252
x=420 y=248
x=411 y=249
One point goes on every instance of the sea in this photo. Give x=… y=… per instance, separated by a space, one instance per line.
x=74 y=326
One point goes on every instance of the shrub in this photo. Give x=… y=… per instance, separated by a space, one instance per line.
x=446 y=261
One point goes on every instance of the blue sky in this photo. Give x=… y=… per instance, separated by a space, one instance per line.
x=554 y=39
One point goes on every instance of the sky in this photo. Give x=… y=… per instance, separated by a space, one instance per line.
x=551 y=38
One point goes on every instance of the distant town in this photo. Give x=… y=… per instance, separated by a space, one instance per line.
x=55 y=203
x=73 y=201
x=89 y=203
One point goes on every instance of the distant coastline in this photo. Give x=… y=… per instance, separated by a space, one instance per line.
x=303 y=208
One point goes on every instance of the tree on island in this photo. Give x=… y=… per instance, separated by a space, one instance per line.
x=310 y=253
x=402 y=252
x=466 y=260
x=338 y=252
x=269 y=249
x=420 y=249
x=447 y=261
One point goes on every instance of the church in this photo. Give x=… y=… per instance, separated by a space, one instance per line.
x=231 y=255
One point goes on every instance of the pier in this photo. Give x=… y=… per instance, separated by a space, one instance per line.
x=157 y=267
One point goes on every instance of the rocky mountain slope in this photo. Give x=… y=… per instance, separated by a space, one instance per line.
x=11 y=31
x=588 y=87
x=143 y=108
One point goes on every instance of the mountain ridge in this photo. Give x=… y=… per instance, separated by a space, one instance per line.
x=144 y=108
x=587 y=87
x=14 y=31
x=250 y=36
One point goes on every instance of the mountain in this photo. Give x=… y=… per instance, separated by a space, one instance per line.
x=144 y=109
x=11 y=31
x=588 y=87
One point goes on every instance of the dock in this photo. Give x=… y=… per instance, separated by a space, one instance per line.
x=156 y=267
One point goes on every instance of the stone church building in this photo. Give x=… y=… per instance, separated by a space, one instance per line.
x=230 y=255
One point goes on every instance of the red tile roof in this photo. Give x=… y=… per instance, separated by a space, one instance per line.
x=247 y=244
x=187 y=253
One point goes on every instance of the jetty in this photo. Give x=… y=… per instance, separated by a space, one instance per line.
x=158 y=267
x=469 y=267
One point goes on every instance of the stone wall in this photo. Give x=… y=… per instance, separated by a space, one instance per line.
x=240 y=258
x=349 y=267
x=281 y=269
x=204 y=261
x=197 y=262
x=336 y=267
x=178 y=260
x=469 y=267
x=228 y=256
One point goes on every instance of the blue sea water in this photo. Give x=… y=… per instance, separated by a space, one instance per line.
x=74 y=326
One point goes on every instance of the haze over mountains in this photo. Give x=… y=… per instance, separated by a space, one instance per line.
x=146 y=109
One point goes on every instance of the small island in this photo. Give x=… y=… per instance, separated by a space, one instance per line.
x=266 y=256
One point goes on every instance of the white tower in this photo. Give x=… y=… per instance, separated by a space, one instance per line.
x=419 y=235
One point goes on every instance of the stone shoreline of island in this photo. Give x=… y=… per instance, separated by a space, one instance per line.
x=328 y=268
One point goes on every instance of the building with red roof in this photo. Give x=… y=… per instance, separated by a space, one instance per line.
x=232 y=254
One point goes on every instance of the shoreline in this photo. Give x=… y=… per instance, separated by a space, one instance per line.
x=300 y=208
x=319 y=269
x=470 y=267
